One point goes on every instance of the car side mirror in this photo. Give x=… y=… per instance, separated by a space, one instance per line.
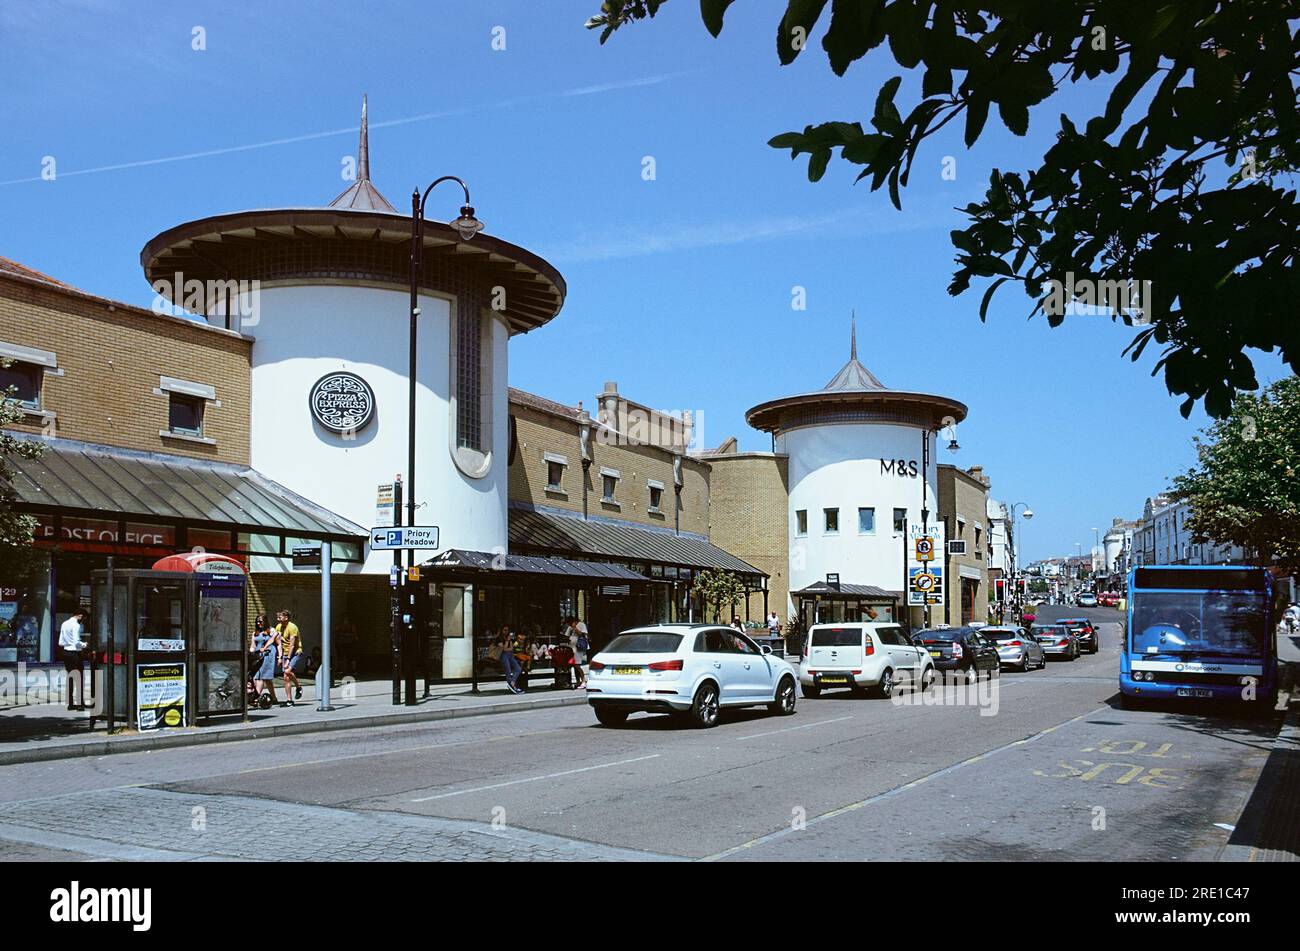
x=765 y=649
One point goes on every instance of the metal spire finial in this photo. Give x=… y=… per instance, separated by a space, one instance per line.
x=853 y=349
x=363 y=151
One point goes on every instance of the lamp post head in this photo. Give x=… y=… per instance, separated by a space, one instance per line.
x=467 y=225
x=1029 y=513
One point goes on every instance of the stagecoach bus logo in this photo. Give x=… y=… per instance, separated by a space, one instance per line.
x=342 y=402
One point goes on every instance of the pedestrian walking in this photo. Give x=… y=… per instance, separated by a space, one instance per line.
x=1291 y=617
x=291 y=656
x=773 y=624
x=72 y=642
x=264 y=644
x=580 y=643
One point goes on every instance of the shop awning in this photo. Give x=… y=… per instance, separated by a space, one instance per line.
x=845 y=592
x=516 y=567
x=93 y=481
x=531 y=529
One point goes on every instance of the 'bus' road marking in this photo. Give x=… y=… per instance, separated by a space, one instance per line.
x=533 y=779
x=789 y=729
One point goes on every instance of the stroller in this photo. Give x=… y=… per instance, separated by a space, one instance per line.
x=562 y=661
x=263 y=700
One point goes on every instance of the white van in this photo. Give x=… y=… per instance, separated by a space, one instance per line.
x=870 y=654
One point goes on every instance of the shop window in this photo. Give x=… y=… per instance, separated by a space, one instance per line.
x=185 y=414
x=801 y=522
x=900 y=520
x=21 y=382
x=866 y=521
x=832 y=520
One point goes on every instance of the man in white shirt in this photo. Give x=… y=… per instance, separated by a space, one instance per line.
x=71 y=643
x=773 y=624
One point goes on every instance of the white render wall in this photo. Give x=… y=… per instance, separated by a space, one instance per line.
x=303 y=333
x=839 y=466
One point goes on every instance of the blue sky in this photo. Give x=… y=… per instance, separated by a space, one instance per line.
x=679 y=288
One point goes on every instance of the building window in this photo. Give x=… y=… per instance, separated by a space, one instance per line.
x=900 y=520
x=21 y=382
x=469 y=381
x=801 y=522
x=609 y=486
x=185 y=414
x=866 y=521
x=554 y=475
x=555 y=466
x=832 y=519
x=656 y=495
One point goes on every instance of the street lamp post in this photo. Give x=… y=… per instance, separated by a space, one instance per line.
x=466 y=226
x=1015 y=540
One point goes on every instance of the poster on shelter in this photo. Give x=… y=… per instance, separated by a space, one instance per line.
x=160 y=695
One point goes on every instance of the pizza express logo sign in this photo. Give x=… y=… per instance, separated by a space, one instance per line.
x=342 y=402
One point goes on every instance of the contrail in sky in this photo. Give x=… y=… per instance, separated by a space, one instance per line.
x=349 y=130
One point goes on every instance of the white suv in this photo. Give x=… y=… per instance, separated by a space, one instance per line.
x=858 y=656
x=689 y=669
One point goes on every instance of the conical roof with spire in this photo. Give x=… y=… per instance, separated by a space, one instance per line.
x=361 y=195
x=855 y=395
x=853 y=375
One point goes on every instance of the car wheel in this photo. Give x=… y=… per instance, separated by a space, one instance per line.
x=886 y=686
x=704 y=708
x=1024 y=664
x=810 y=693
x=972 y=674
x=611 y=717
x=783 y=705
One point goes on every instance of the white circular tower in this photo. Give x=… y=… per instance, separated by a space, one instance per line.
x=325 y=294
x=861 y=456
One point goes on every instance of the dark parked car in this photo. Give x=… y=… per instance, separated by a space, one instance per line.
x=961 y=649
x=1085 y=631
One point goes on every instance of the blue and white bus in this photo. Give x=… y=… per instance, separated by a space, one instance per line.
x=1204 y=632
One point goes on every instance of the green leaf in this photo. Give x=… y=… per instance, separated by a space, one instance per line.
x=711 y=11
x=988 y=296
x=796 y=27
x=817 y=164
x=1015 y=115
x=977 y=113
x=853 y=31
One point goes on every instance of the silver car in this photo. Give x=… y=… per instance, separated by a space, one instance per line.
x=1016 y=648
x=1058 y=640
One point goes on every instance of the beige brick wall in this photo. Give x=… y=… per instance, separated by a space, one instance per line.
x=963 y=496
x=362 y=599
x=749 y=495
x=538 y=432
x=110 y=358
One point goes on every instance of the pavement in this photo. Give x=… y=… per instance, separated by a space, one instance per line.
x=39 y=732
x=1044 y=766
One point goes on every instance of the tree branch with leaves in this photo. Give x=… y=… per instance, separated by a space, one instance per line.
x=1184 y=195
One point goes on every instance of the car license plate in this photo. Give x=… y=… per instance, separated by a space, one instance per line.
x=1194 y=692
x=936 y=653
x=835 y=679
x=627 y=670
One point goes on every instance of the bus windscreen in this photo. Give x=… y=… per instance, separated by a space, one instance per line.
x=1198 y=622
